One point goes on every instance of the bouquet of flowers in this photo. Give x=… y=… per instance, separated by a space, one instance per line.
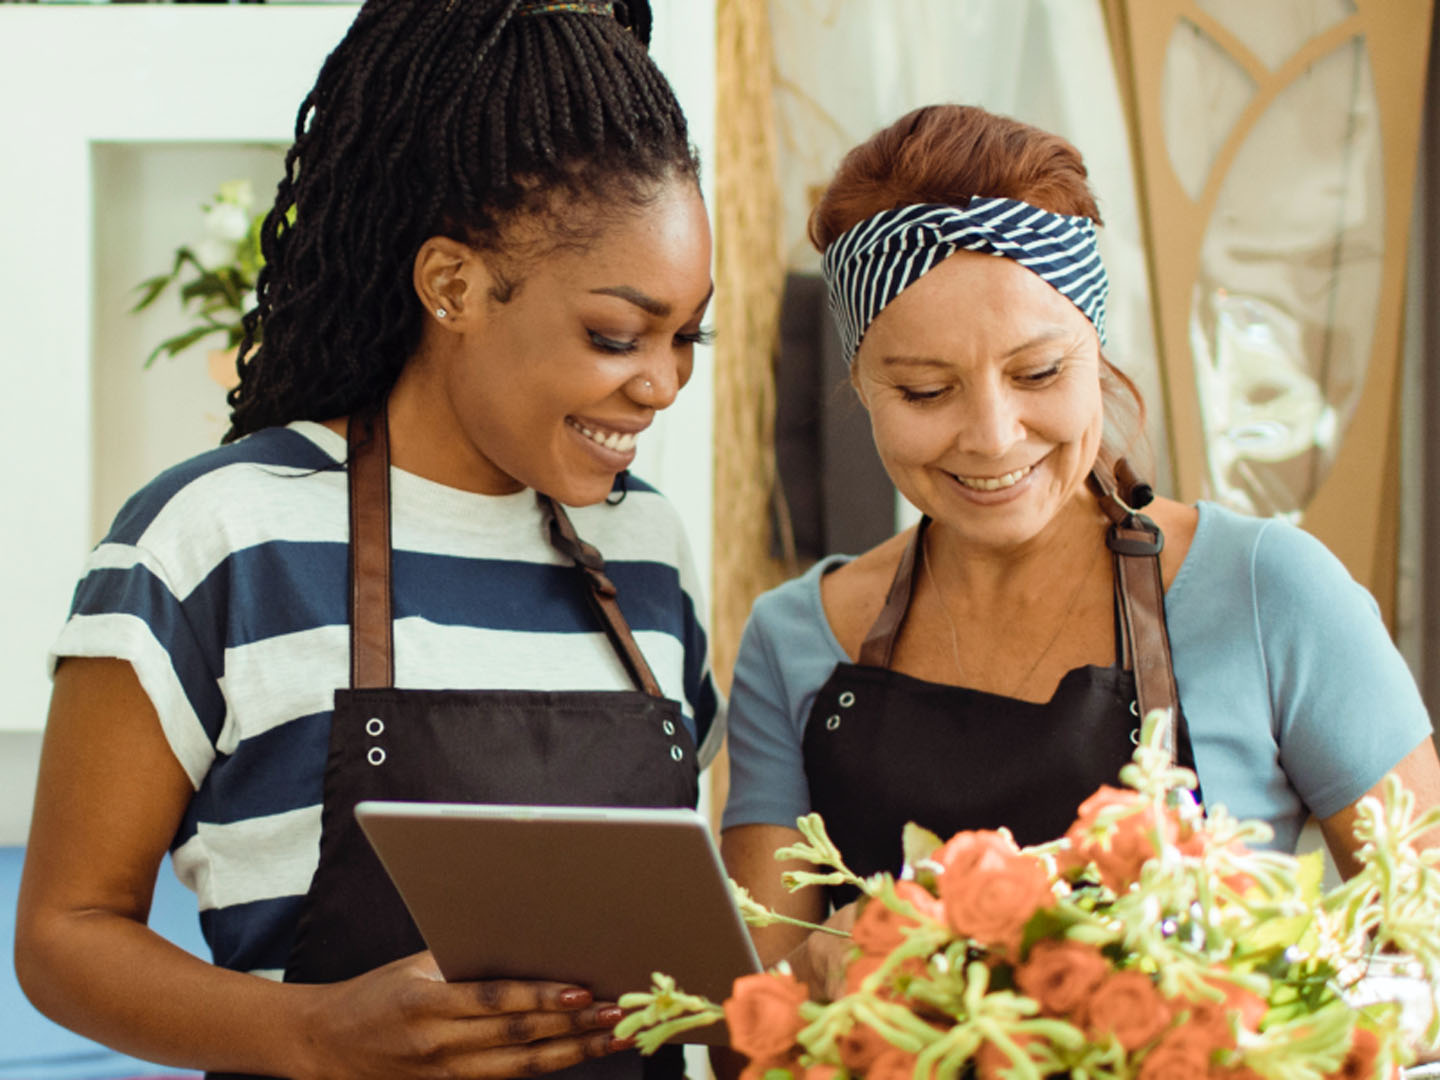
x=219 y=272
x=1151 y=941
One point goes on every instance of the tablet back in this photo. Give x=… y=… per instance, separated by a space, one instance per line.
x=598 y=897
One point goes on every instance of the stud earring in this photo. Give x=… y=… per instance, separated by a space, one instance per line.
x=440 y=313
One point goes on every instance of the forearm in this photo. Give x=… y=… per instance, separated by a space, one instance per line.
x=114 y=980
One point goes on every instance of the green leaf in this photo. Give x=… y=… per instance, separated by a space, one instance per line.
x=152 y=288
x=919 y=843
x=180 y=342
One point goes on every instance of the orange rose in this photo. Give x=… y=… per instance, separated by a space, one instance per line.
x=991 y=1062
x=990 y=889
x=763 y=1012
x=1119 y=851
x=1060 y=975
x=1128 y=1005
x=1360 y=1061
x=860 y=1046
x=893 y=1064
x=880 y=928
x=866 y=963
x=1183 y=1054
x=1214 y=1016
x=1237 y=1072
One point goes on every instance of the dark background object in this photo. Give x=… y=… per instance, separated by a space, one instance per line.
x=838 y=495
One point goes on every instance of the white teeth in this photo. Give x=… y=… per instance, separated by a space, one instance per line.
x=994 y=483
x=620 y=442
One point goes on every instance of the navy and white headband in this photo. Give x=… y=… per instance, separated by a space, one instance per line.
x=875 y=260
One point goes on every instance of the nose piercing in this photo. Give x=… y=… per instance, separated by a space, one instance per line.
x=648 y=384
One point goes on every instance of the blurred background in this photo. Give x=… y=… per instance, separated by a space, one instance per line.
x=1261 y=168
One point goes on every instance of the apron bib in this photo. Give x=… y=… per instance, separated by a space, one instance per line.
x=882 y=748
x=572 y=748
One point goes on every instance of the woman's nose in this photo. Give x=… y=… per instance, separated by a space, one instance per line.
x=657 y=385
x=990 y=425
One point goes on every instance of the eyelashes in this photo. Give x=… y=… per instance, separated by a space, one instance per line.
x=703 y=336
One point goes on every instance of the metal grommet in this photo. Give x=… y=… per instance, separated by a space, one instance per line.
x=847 y=699
x=374 y=726
x=832 y=722
x=376 y=756
x=1135 y=737
x=668 y=727
x=1134 y=708
x=676 y=753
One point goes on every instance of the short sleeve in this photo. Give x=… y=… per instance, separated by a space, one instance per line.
x=1345 y=704
x=786 y=654
x=125 y=608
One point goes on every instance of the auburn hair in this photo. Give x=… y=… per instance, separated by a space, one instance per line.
x=950 y=153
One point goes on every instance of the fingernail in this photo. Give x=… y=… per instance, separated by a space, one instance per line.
x=611 y=1014
x=575 y=998
x=617 y=1045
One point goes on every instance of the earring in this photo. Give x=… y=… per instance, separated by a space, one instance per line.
x=440 y=313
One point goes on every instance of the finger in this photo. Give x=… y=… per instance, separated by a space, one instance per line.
x=512 y=1029
x=539 y=1058
x=492 y=996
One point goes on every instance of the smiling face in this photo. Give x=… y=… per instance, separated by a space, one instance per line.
x=983 y=387
x=550 y=387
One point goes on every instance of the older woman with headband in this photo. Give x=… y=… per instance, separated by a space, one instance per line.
x=988 y=667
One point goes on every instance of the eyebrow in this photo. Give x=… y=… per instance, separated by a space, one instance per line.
x=1043 y=338
x=644 y=301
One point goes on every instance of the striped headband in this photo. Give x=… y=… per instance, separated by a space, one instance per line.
x=874 y=261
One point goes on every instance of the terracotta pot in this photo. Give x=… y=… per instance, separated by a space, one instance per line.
x=222 y=367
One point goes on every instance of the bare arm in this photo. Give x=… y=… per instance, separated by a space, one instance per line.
x=109 y=800
x=816 y=958
x=1419 y=771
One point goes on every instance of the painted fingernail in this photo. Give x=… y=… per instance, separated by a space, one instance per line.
x=575 y=998
x=617 y=1045
x=611 y=1014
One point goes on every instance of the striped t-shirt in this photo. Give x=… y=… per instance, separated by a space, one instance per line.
x=224 y=583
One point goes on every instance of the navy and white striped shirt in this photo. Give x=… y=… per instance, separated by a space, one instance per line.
x=224 y=583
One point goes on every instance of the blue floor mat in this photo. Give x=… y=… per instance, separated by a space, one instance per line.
x=33 y=1048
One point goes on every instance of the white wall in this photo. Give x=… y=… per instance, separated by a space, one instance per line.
x=104 y=172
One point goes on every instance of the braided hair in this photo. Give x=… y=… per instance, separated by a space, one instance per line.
x=439 y=117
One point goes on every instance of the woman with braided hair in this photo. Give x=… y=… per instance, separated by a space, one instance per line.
x=487 y=267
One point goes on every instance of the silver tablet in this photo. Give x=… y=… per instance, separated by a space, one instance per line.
x=596 y=897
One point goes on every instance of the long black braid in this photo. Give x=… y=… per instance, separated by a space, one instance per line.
x=437 y=117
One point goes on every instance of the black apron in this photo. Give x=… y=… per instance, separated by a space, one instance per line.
x=572 y=748
x=882 y=748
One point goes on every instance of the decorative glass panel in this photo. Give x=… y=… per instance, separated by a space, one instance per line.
x=1275 y=29
x=1286 y=296
x=1205 y=93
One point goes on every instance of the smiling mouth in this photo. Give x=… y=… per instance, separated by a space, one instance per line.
x=993 y=483
x=622 y=442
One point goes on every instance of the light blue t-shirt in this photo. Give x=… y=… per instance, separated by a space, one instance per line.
x=1296 y=698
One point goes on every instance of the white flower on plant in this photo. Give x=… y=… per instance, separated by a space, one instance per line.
x=237 y=193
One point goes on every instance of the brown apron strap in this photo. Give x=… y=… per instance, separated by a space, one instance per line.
x=371 y=626
x=601 y=591
x=879 y=644
x=1136 y=542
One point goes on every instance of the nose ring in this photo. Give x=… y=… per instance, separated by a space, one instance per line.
x=649 y=385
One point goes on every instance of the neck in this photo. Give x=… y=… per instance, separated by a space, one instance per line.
x=429 y=439
x=1071 y=544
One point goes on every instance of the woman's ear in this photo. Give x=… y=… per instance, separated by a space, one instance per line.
x=449 y=276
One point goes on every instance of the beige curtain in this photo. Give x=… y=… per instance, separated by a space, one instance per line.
x=749 y=273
